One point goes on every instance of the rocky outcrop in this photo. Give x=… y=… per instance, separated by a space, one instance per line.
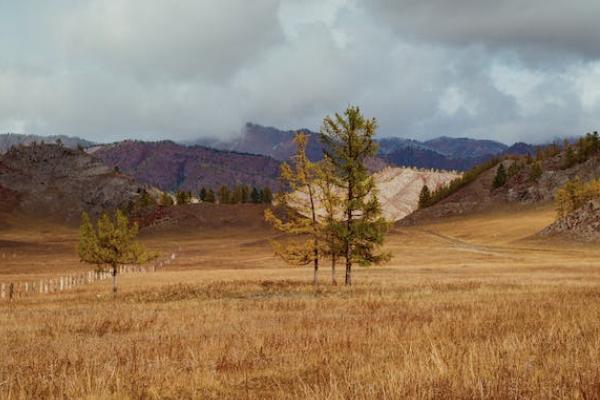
x=582 y=224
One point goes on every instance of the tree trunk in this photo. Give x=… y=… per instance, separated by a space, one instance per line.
x=333 y=262
x=348 y=239
x=316 y=264
x=114 y=280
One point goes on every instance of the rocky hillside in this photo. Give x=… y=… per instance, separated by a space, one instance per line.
x=51 y=180
x=8 y=140
x=399 y=188
x=170 y=166
x=523 y=185
x=583 y=224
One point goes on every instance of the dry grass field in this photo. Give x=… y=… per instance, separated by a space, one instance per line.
x=470 y=307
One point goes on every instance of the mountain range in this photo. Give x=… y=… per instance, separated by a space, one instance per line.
x=253 y=158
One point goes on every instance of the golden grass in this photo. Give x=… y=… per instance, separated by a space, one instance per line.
x=456 y=315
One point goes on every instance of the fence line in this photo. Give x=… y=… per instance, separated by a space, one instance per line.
x=12 y=290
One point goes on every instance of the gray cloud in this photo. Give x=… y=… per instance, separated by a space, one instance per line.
x=181 y=69
x=568 y=26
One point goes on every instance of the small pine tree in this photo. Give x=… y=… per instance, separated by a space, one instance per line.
x=424 y=197
x=183 y=197
x=203 y=194
x=536 y=172
x=166 y=200
x=500 y=178
x=210 y=196
x=236 y=195
x=245 y=194
x=266 y=195
x=255 y=196
x=224 y=195
x=570 y=158
x=513 y=170
x=111 y=243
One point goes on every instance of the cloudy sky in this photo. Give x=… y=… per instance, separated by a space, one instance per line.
x=109 y=69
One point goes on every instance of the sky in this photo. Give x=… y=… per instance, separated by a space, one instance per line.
x=105 y=70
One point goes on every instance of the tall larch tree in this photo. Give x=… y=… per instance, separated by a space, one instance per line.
x=299 y=202
x=111 y=243
x=348 y=141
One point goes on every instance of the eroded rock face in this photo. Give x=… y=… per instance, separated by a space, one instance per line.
x=52 y=180
x=582 y=224
x=399 y=188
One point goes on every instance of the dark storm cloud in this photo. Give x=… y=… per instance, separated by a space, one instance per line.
x=555 y=25
x=110 y=69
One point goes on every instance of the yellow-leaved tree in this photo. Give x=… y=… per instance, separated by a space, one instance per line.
x=298 y=203
x=111 y=243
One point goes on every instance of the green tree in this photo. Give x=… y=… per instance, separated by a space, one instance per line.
x=224 y=195
x=203 y=194
x=166 y=200
x=237 y=195
x=183 y=197
x=301 y=215
x=536 y=172
x=513 y=170
x=210 y=196
x=500 y=178
x=245 y=194
x=424 y=197
x=348 y=141
x=255 y=196
x=111 y=243
x=266 y=195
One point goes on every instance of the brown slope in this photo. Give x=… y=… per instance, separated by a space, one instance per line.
x=50 y=180
x=171 y=166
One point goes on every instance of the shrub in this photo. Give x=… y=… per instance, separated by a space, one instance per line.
x=575 y=194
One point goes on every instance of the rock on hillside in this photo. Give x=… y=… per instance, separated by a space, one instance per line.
x=170 y=166
x=56 y=181
x=399 y=188
x=582 y=224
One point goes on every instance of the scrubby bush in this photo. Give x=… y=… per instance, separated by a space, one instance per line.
x=575 y=194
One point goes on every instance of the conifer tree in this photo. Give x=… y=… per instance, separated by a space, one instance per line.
x=236 y=195
x=110 y=243
x=500 y=178
x=166 y=200
x=536 y=172
x=245 y=194
x=300 y=206
x=266 y=195
x=348 y=142
x=255 y=196
x=210 y=196
x=424 y=197
x=224 y=195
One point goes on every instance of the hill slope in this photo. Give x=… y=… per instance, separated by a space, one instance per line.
x=170 y=166
x=520 y=188
x=56 y=181
x=8 y=140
